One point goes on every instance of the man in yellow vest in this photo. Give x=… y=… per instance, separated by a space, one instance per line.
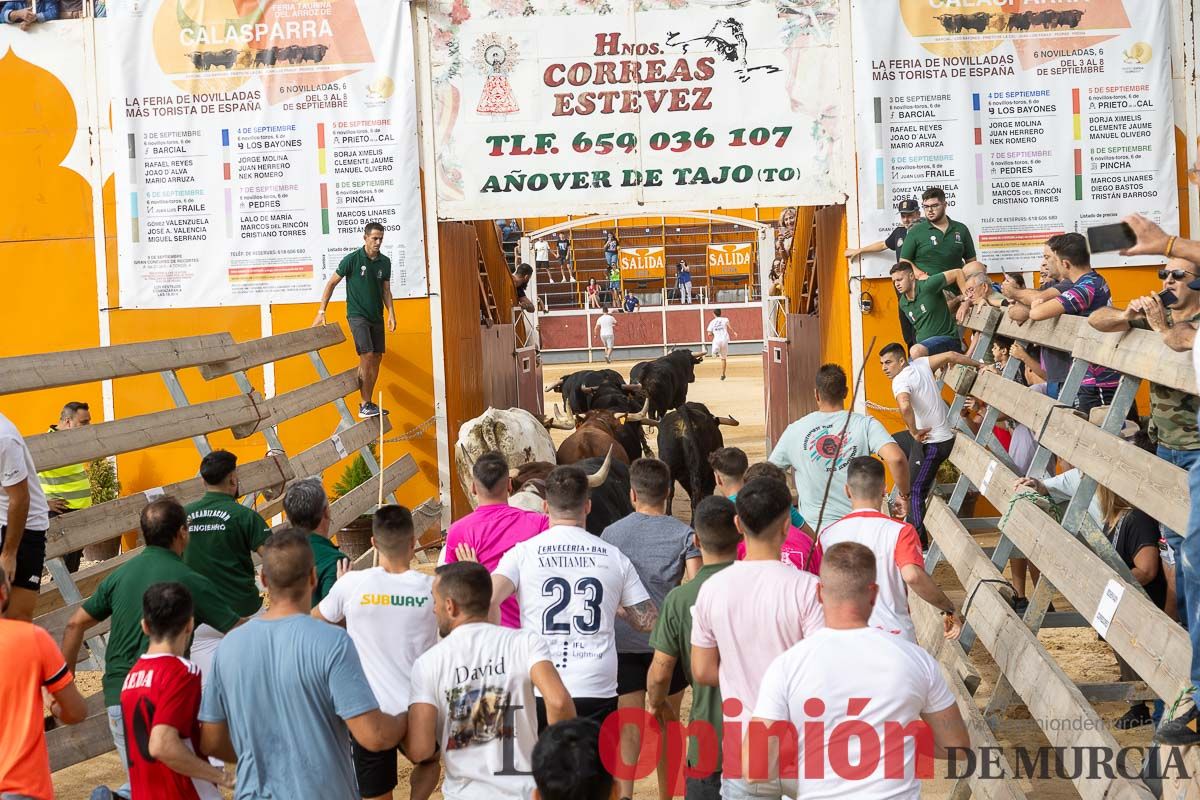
x=68 y=488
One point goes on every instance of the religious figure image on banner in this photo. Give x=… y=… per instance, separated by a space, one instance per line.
x=498 y=55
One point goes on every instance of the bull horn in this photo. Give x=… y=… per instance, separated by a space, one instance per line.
x=554 y=387
x=513 y=473
x=631 y=387
x=653 y=423
x=597 y=479
x=558 y=422
x=698 y=358
x=642 y=415
x=727 y=421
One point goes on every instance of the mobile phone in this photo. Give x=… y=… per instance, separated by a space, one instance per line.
x=1105 y=238
x=1168 y=298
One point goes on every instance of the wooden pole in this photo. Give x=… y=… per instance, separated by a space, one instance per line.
x=381 y=461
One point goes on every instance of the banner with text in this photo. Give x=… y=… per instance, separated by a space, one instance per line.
x=597 y=105
x=642 y=263
x=257 y=147
x=1034 y=121
x=729 y=259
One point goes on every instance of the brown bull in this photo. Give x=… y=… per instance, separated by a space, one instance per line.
x=596 y=433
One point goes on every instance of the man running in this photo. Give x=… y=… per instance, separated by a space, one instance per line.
x=926 y=416
x=720 y=332
x=223 y=535
x=368 y=275
x=473 y=692
x=160 y=702
x=606 y=328
x=388 y=612
x=751 y=612
x=494 y=527
x=822 y=681
x=899 y=564
x=571 y=587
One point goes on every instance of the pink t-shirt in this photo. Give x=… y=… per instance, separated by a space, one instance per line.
x=493 y=530
x=797 y=550
x=751 y=628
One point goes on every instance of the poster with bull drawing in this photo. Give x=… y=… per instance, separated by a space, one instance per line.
x=256 y=140
x=553 y=107
x=1035 y=116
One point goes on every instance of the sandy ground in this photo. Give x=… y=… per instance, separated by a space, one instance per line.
x=1078 y=652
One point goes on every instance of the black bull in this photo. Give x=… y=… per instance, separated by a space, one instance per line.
x=665 y=380
x=606 y=383
x=686 y=438
x=610 y=500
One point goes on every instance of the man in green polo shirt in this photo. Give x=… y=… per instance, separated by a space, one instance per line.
x=164 y=527
x=923 y=303
x=937 y=243
x=223 y=534
x=368 y=274
x=307 y=509
x=718 y=537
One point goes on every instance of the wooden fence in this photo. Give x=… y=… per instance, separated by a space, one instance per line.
x=1073 y=556
x=244 y=414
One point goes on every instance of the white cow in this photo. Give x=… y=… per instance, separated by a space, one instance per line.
x=516 y=433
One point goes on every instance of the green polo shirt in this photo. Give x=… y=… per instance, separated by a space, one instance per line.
x=927 y=311
x=364 y=284
x=935 y=252
x=222 y=535
x=672 y=636
x=120 y=596
x=326 y=556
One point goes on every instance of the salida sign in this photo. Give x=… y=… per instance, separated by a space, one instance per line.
x=643 y=263
x=568 y=109
x=729 y=259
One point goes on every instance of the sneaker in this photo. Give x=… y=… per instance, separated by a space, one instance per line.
x=1137 y=716
x=1182 y=730
x=722 y=377
x=368 y=409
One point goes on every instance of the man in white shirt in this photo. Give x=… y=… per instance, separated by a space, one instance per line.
x=824 y=441
x=720 y=332
x=24 y=518
x=571 y=587
x=541 y=257
x=927 y=417
x=899 y=564
x=749 y=613
x=388 y=612
x=822 y=682
x=473 y=693
x=606 y=327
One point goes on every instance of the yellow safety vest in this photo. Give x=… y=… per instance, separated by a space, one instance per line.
x=71 y=483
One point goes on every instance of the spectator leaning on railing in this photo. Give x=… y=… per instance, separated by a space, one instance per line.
x=1183 y=728
x=27 y=12
x=1055 y=364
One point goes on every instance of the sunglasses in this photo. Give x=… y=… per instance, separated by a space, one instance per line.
x=1177 y=274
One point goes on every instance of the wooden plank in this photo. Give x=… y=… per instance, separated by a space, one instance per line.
x=1142 y=478
x=981 y=736
x=324 y=454
x=984 y=319
x=960 y=378
x=1033 y=672
x=81 y=445
x=55 y=623
x=1158 y=650
x=78 y=529
x=86 y=580
x=257 y=352
x=365 y=496
x=928 y=624
x=1139 y=353
x=300 y=401
x=70 y=367
x=74 y=744
x=1058 y=333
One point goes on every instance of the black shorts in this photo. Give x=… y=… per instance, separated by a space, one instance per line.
x=632 y=669
x=376 y=772
x=31 y=558
x=597 y=709
x=367 y=335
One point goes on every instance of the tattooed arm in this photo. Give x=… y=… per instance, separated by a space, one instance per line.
x=641 y=616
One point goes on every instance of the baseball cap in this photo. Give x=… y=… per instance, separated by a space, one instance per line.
x=908 y=206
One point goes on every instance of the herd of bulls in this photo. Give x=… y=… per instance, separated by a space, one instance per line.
x=607 y=415
x=1022 y=21
x=230 y=58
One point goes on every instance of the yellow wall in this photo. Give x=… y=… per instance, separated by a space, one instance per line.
x=51 y=302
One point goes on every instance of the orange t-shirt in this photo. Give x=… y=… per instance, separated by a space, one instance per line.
x=24 y=760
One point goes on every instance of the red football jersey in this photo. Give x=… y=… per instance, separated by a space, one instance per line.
x=160 y=689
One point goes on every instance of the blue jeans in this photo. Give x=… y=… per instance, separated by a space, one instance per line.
x=942 y=344
x=116 y=726
x=610 y=258
x=1187 y=569
x=1184 y=459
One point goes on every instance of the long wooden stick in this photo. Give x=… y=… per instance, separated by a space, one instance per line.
x=381 y=461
